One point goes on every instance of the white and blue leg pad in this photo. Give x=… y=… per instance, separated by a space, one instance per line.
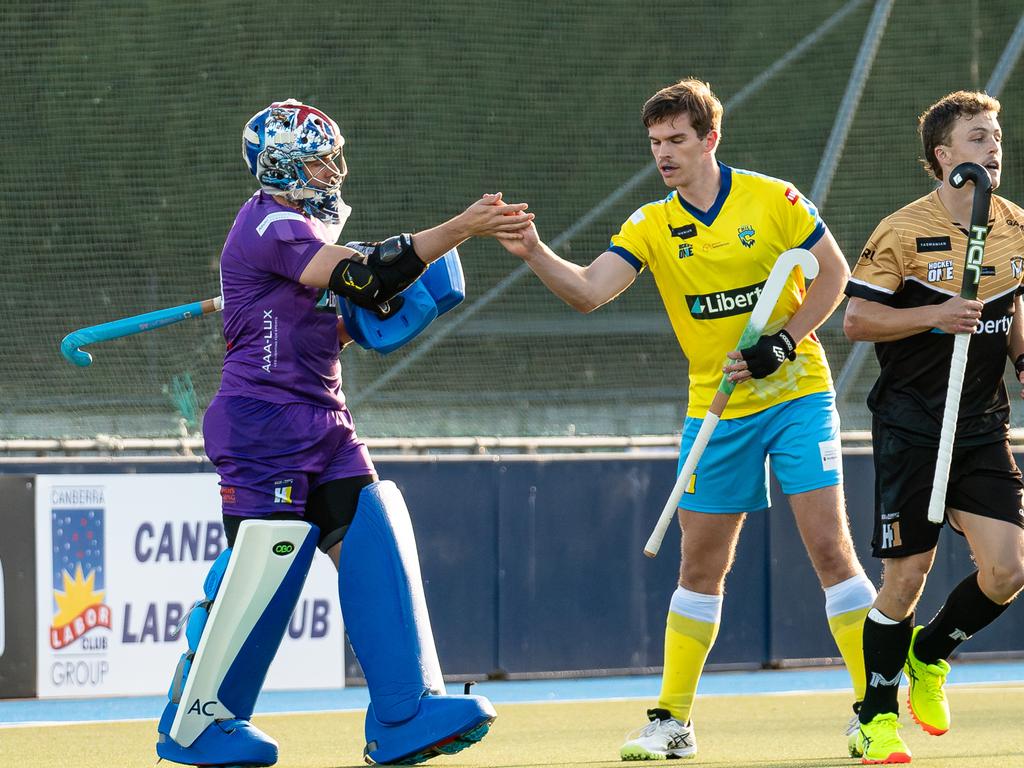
x=410 y=717
x=233 y=634
x=441 y=288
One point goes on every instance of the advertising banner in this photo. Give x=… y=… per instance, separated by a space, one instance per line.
x=17 y=587
x=119 y=561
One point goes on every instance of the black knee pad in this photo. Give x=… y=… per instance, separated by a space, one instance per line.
x=332 y=506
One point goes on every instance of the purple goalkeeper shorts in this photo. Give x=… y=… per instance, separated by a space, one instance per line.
x=271 y=457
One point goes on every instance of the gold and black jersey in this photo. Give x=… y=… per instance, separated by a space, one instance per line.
x=914 y=258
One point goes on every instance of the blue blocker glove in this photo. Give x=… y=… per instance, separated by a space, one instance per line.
x=441 y=288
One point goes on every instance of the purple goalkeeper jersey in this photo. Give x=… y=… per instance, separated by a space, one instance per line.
x=280 y=347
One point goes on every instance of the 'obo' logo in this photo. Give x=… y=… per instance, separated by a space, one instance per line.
x=976 y=251
x=283 y=548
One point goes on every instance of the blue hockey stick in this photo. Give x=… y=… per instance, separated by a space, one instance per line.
x=71 y=345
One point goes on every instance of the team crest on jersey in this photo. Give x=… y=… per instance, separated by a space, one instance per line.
x=940 y=270
x=746 y=235
x=1017 y=266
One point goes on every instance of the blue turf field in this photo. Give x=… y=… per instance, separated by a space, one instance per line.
x=503 y=692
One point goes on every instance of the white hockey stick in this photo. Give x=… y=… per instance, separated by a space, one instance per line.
x=969 y=290
x=766 y=301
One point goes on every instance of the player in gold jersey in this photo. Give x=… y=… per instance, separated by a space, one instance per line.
x=904 y=295
x=710 y=246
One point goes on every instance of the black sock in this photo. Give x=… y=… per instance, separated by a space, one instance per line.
x=885 y=651
x=967 y=610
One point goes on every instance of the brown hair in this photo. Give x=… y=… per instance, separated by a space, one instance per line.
x=690 y=96
x=936 y=123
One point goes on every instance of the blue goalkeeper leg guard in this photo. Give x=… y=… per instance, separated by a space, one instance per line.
x=233 y=635
x=410 y=718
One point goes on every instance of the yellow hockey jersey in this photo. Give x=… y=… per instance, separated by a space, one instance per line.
x=710 y=266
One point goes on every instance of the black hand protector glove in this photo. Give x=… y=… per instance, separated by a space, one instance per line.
x=390 y=267
x=396 y=264
x=1018 y=365
x=765 y=357
x=370 y=302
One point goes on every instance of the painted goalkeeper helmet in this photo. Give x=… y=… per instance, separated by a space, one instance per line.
x=295 y=149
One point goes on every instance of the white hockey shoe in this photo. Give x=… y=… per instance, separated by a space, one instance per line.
x=663 y=737
x=852 y=729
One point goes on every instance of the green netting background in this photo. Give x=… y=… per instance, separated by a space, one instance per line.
x=123 y=175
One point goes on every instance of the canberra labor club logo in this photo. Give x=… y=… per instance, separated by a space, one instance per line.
x=79 y=573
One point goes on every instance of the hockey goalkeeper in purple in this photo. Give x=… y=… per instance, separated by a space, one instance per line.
x=294 y=475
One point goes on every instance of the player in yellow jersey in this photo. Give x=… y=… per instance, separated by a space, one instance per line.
x=710 y=246
x=904 y=296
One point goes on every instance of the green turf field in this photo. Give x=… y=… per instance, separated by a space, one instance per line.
x=741 y=731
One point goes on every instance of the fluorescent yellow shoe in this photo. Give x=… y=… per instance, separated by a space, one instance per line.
x=927 y=697
x=879 y=743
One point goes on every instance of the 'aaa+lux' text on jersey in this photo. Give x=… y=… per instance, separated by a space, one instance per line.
x=915 y=258
x=710 y=267
x=281 y=336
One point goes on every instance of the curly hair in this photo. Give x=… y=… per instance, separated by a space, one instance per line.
x=936 y=123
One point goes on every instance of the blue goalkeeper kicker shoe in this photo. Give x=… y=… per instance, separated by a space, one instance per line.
x=464 y=720
x=411 y=717
x=238 y=742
